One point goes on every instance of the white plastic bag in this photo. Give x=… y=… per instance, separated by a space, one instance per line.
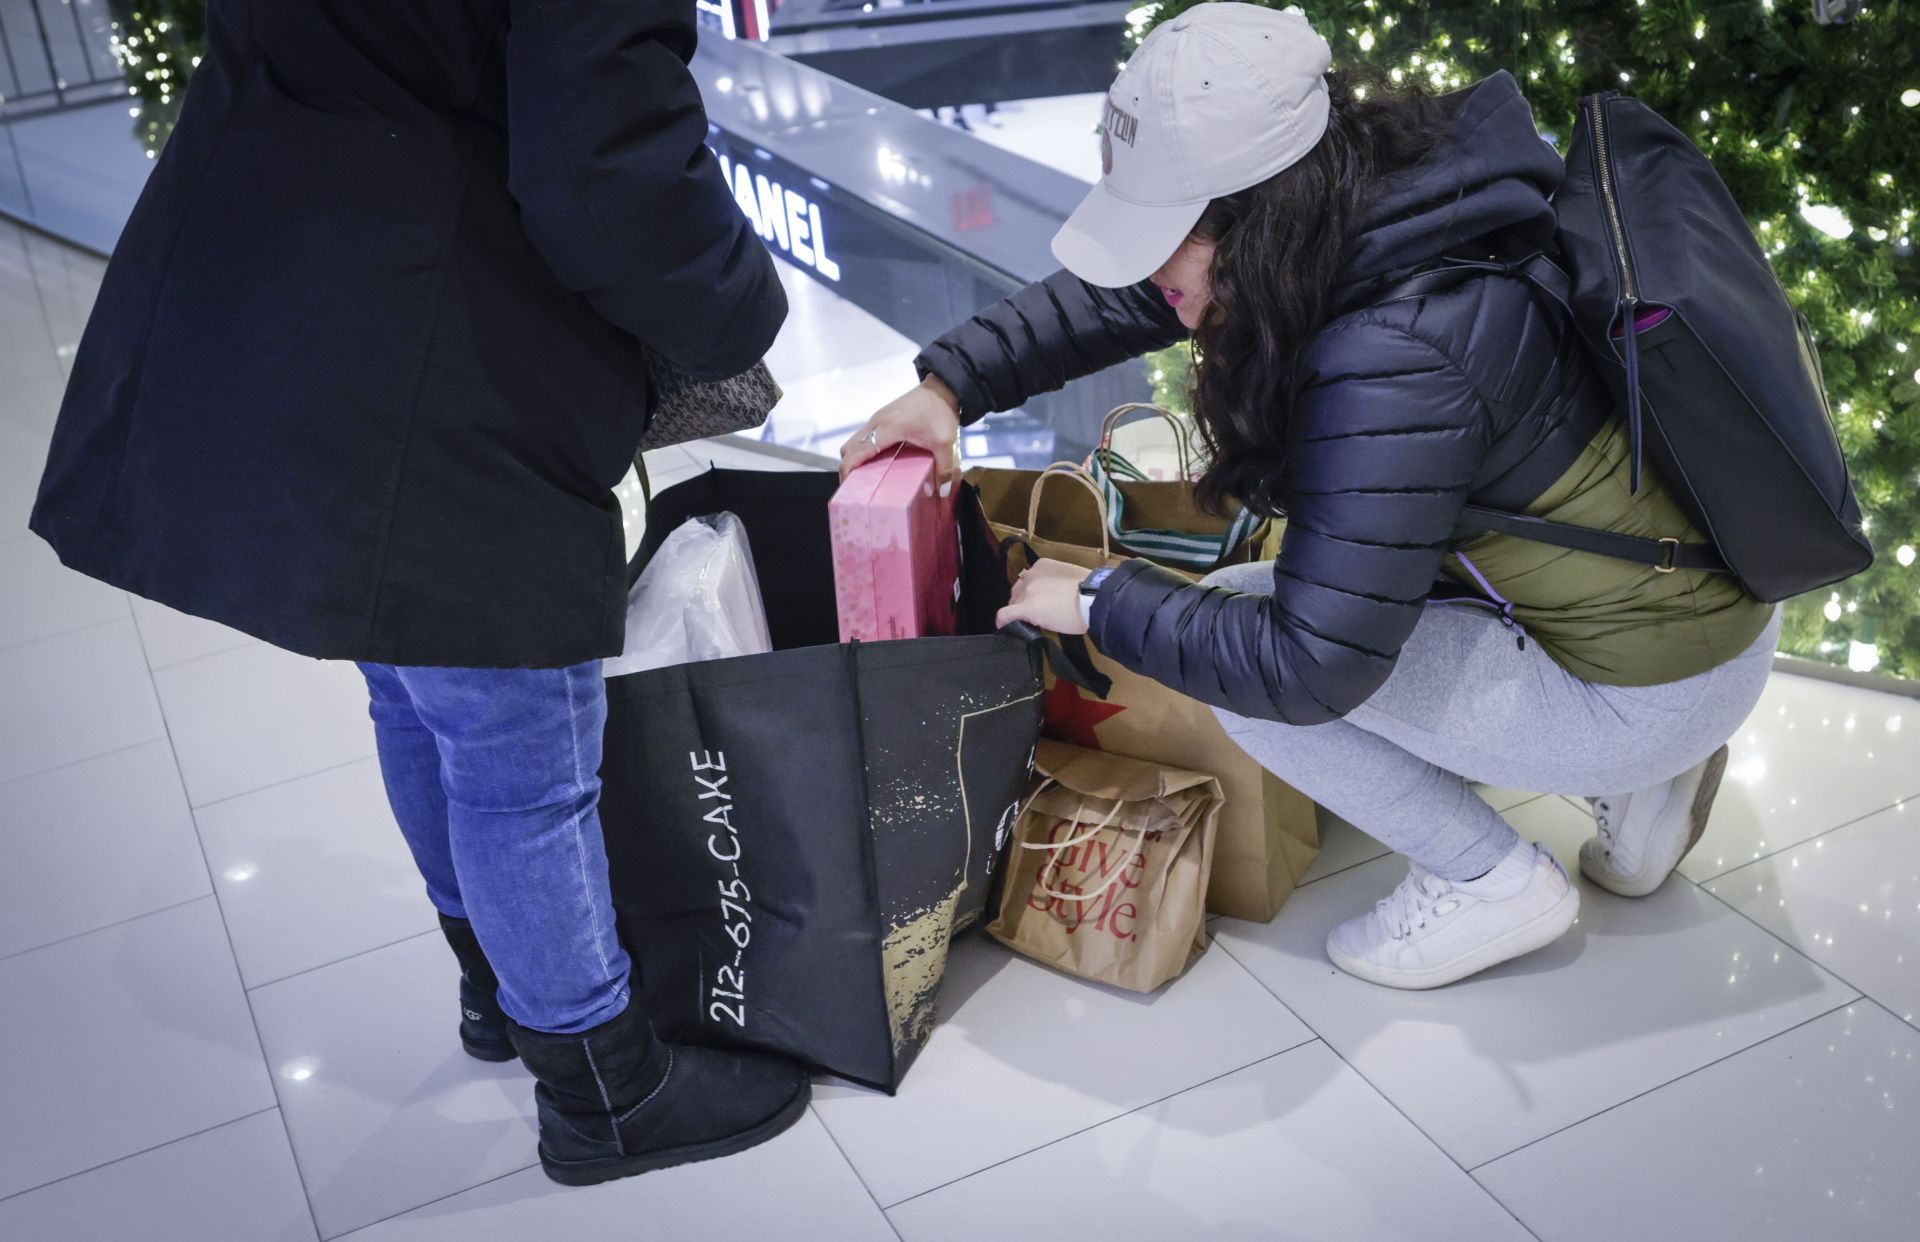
x=699 y=599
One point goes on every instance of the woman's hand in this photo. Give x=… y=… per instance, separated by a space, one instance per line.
x=927 y=417
x=1048 y=595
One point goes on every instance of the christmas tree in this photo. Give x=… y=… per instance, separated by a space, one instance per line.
x=158 y=44
x=1816 y=130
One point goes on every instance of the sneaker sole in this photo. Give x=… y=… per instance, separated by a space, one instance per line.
x=1539 y=932
x=1703 y=799
x=593 y=1172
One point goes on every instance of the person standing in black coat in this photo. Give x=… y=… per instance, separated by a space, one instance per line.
x=365 y=368
x=1267 y=207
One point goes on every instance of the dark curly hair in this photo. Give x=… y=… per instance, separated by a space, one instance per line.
x=1279 y=247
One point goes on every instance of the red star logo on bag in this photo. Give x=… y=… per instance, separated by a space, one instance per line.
x=1072 y=717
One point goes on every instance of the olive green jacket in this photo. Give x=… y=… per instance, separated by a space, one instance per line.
x=1612 y=621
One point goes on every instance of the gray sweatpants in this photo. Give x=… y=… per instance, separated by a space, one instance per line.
x=1465 y=702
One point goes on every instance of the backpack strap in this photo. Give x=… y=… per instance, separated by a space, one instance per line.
x=1665 y=555
x=1505 y=257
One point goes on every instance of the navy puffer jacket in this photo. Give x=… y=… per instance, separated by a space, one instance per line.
x=1411 y=409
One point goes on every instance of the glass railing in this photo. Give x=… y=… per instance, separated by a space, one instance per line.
x=72 y=158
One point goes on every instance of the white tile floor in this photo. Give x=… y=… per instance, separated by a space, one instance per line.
x=227 y=1015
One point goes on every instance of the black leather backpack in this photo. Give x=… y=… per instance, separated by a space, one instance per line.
x=1714 y=368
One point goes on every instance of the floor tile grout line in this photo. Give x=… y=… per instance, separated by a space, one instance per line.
x=455 y=1194
x=1860 y=995
x=247 y=642
x=1388 y=1100
x=1887 y=1009
x=91 y=931
x=307 y=970
x=164 y=734
x=1640 y=1095
x=40 y=295
x=144 y=1151
x=1784 y=943
x=66 y=633
x=1329 y=875
x=1825 y=832
x=1308 y=883
x=814 y=1108
x=223 y=799
x=233 y=954
x=1103 y=1122
x=155 y=740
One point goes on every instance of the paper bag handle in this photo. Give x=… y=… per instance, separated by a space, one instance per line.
x=1059 y=848
x=1181 y=443
x=1069 y=470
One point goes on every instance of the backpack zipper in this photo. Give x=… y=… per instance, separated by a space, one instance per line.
x=1595 y=107
x=1609 y=199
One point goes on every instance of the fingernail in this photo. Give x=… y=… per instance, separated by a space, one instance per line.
x=946 y=489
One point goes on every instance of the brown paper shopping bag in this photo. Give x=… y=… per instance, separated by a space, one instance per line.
x=1108 y=874
x=1268 y=835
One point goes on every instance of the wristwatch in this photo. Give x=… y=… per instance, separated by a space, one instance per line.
x=1090 y=590
x=1091 y=584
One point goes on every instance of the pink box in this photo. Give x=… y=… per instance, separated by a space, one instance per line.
x=896 y=550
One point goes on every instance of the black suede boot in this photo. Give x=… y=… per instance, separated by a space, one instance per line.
x=483 y=1027
x=615 y=1101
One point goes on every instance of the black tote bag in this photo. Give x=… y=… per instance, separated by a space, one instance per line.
x=794 y=838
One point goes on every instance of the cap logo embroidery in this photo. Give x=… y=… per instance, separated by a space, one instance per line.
x=1116 y=123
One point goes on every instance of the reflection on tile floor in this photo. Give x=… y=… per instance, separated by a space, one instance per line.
x=1637 y=994
x=228 y=1016
x=1849 y=900
x=1812 y=1134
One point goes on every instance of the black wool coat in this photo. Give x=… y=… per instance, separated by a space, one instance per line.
x=366 y=363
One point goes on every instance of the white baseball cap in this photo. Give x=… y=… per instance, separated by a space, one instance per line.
x=1213 y=102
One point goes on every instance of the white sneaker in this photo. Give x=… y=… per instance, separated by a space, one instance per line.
x=1430 y=932
x=1643 y=836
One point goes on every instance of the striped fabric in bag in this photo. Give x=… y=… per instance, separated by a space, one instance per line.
x=1176 y=547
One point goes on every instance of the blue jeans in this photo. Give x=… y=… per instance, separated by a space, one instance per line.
x=494 y=776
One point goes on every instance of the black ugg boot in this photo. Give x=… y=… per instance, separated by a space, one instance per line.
x=483 y=1027
x=615 y=1101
